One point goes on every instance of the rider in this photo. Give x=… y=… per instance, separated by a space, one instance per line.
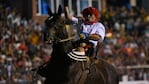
x=90 y=27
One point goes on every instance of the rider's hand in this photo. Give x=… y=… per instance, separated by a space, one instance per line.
x=84 y=35
x=65 y=3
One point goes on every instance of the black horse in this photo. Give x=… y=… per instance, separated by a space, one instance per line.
x=61 y=69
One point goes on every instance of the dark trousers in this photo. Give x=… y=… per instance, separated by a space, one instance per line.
x=91 y=50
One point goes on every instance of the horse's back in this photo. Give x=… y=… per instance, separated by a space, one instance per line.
x=99 y=72
x=109 y=71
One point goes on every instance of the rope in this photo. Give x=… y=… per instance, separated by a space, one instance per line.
x=63 y=40
x=85 y=72
x=83 y=77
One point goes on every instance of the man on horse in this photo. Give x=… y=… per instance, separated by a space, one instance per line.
x=61 y=69
x=90 y=29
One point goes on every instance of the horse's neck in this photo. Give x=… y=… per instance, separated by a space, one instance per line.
x=58 y=48
x=59 y=53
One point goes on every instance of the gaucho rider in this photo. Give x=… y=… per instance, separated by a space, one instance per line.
x=91 y=29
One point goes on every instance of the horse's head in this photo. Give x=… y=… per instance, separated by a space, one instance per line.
x=55 y=27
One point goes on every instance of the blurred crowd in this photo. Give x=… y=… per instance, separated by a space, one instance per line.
x=127 y=40
x=22 y=46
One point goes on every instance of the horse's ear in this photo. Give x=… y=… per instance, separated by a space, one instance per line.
x=49 y=11
x=59 y=10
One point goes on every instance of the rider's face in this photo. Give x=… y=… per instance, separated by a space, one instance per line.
x=91 y=18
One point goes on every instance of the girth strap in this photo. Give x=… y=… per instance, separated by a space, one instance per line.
x=83 y=77
x=99 y=72
x=85 y=72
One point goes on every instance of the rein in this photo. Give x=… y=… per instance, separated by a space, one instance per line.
x=67 y=39
x=63 y=40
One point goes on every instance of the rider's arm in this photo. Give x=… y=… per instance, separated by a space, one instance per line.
x=99 y=34
x=76 y=20
x=68 y=15
x=95 y=37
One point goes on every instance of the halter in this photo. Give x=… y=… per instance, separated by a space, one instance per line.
x=63 y=40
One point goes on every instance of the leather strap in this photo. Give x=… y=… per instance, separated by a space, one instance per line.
x=85 y=72
x=99 y=72
x=83 y=77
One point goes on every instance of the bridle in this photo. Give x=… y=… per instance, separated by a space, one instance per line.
x=61 y=40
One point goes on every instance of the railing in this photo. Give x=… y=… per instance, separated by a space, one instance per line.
x=134 y=67
x=130 y=71
x=134 y=82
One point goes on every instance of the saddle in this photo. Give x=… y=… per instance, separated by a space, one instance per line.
x=81 y=70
